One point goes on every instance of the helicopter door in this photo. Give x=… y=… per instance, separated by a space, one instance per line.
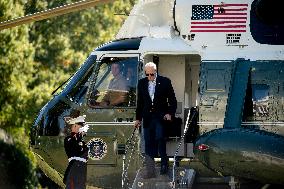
x=111 y=106
x=264 y=102
x=215 y=81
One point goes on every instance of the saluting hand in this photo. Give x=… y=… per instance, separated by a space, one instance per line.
x=84 y=129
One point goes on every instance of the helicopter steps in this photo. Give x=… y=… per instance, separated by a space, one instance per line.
x=184 y=179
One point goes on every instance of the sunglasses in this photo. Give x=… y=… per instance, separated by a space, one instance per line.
x=151 y=74
x=81 y=124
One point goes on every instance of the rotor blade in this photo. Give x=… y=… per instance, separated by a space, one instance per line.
x=52 y=13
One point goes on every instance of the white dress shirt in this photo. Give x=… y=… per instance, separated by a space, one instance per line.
x=151 y=88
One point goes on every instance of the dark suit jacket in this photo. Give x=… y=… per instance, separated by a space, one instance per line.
x=164 y=100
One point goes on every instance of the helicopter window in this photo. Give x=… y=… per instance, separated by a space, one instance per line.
x=215 y=80
x=257 y=100
x=260 y=97
x=79 y=91
x=267 y=22
x=115 y=83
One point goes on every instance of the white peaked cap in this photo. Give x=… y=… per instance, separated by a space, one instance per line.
x=80 y=119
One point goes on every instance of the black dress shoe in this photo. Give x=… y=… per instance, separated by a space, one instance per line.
x=164 y=169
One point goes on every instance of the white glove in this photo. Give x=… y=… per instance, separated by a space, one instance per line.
x=84 y=129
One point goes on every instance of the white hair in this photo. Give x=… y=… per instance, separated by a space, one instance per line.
x=151 y=65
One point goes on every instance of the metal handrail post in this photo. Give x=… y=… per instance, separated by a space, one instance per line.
x=179 y=145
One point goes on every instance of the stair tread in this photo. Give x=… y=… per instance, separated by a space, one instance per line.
x=162 y=181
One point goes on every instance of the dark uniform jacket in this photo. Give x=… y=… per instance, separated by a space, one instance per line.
x=164 y=100
x=75 y=146
x=75 y=174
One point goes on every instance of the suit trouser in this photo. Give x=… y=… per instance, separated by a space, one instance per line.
x=155 y=142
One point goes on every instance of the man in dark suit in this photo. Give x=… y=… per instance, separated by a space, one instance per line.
x=156 y=103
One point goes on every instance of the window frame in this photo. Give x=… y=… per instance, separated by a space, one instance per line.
x=95 y=73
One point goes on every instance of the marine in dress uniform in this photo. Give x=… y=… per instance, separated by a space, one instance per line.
x=77 y=153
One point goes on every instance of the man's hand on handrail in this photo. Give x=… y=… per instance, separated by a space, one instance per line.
x=137 y=124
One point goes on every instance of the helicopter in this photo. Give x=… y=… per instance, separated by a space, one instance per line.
x=226 y=62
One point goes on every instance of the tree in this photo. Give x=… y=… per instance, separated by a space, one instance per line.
x=36 y=58
x=16 y=66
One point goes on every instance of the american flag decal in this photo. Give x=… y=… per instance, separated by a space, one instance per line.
x=219 y=18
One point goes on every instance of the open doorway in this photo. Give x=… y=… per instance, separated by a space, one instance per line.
x=183 y=70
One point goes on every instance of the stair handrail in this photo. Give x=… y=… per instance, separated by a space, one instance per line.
x=130 y=145
x=187 y=124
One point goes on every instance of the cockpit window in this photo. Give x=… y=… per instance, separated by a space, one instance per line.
x=77 y=94
x=115 y=83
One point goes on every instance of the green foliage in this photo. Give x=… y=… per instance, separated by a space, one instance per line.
x=13 y=160
x=67 y=40
x=16 y=66
x=36 y=58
